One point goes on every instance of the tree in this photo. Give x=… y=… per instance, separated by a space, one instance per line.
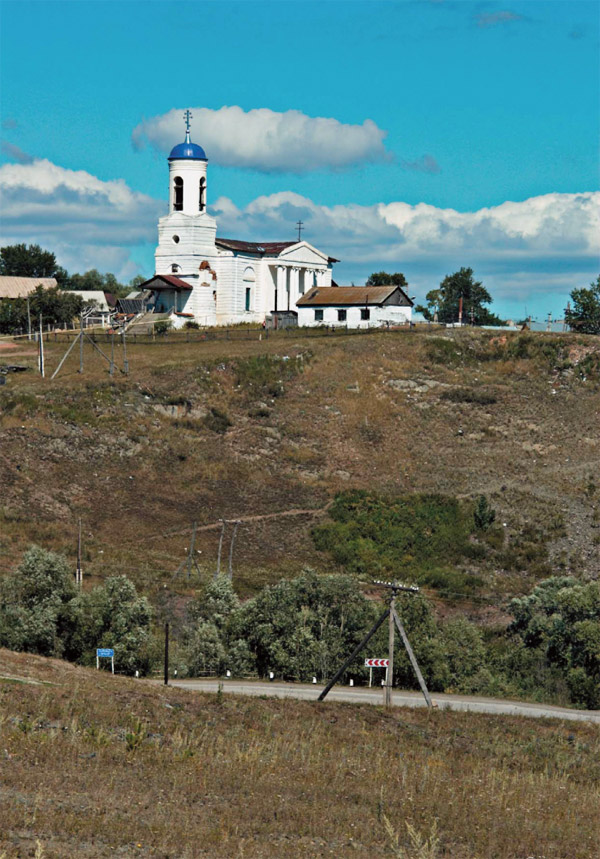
x=30 y=261
x=383 y=278
x=584 y=316
x=56 y=307
x=115 y=616
x=446 y=300
x=39 y=606
x=560 y=620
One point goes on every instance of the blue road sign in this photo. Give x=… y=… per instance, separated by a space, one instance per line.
x=106 y=652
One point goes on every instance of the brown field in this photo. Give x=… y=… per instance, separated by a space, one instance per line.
x=96 y=766
x=138 y=461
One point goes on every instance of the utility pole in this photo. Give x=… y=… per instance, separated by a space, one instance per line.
x=28 y=320
x=81 y=342
x=190 y=560
x=41 y=349
x=166 y=654
x=235 y=527
x=79 y=570
x=218 y=572
x=390 y=672
x=392 y=616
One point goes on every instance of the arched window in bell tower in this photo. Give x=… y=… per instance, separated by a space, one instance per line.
x=178 y=194
x=202 y=201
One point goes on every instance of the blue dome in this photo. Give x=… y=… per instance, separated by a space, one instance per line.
x=188 y=150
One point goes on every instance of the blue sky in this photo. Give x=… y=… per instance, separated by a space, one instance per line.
x=489 y=110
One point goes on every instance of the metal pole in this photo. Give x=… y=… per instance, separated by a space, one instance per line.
x=125 y=361
x=353 y=655
x=412 y=657
x=111 y=369
x=81 y=343
x=64 y=357
x=41 y=349
x=79 y=573
x=166 y=654
x=220 y=548
x=387 y=700
x=28 y=320
x=235 y=527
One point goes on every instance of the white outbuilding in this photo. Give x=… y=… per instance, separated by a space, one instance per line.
x=355 y=306
x=218 y=281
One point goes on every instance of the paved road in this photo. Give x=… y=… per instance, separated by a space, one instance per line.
x=363 y=695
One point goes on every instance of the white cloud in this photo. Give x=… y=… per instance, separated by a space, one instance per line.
x=86 y=221
x=545 y=227
x=544 y=244
x=265 y=140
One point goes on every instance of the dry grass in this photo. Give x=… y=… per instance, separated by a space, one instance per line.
x=110 y=453
x=96 y=766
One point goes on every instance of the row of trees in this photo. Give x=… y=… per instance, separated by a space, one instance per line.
x=55 y=306
x=305 y=627
x=33 y=261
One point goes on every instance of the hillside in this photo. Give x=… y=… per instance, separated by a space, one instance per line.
x=98 y=766
x=263 y=430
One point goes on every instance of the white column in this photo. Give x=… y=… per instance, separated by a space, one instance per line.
x=281 y=302
x=294 y=287
x=308 y=280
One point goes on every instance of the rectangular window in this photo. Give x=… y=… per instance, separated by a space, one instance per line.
x=341 y=315
x=248 y=288
x=318 y=315
x=365 y=313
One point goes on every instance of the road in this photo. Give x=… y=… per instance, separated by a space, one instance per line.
x=401 y=698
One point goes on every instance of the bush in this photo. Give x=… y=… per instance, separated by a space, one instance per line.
x=162 y=326
x=484 y=516
x=416 y=536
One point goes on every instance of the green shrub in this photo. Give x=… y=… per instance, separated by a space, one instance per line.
x=162 y=326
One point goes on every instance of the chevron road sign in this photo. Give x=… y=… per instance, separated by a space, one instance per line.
x=377 y=663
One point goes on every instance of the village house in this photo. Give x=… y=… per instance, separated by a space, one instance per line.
x=355 y=306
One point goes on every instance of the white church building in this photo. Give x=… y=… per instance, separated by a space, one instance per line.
x=216 y=281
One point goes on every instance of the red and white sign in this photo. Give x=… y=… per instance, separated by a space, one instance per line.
x=377 y=663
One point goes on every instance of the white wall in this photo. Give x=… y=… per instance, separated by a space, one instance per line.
x=379 y=317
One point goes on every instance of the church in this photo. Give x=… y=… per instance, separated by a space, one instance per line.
x=208 y=280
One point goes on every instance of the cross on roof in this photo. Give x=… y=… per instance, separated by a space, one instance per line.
x=187 y=116
x=299 y=224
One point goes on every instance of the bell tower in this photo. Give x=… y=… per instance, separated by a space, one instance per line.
x=187 y=175
x=186 y=236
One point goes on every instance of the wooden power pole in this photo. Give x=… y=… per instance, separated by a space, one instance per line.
x=393 y=622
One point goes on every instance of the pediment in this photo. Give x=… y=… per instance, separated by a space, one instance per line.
x=304 y=253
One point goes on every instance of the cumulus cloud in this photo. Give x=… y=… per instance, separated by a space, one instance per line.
x=425 y=164
x=268 y=141
x=545 y=243
x=9 y=123
x=83 y=219
x=15 y=152
x=485 y=20
x=64 y=203
x=545 y=227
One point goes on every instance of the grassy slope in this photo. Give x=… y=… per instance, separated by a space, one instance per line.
x=138 y=476
x=95 y=766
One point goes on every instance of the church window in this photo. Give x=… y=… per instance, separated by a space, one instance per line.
x=176 y=239
x=248 y=295
x=202 y=202
x=318 y=315
x=174 y=268
x=178 y=193
x=341 y=315
x=365 y=313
